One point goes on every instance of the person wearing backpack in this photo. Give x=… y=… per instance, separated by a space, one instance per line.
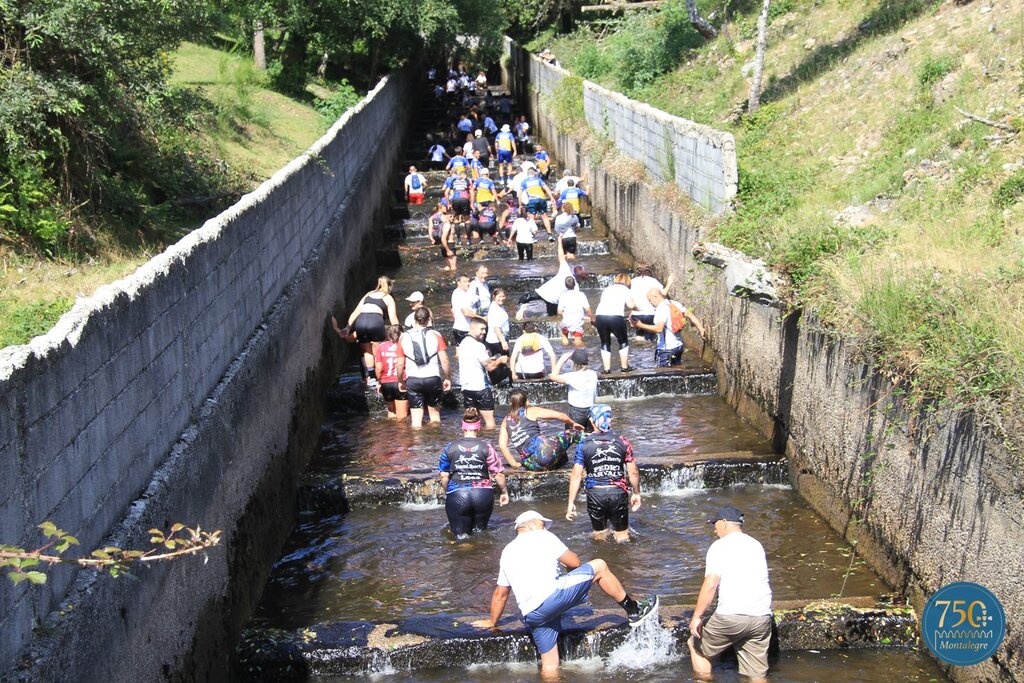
x=415 y=186
x=423 y=370
x=669 y=319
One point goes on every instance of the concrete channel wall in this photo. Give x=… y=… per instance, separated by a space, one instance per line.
x=188 y=391
x=699 y=159
x=930 y=495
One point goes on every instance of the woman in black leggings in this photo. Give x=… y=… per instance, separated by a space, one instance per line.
x=616 y=301
x=467 y=468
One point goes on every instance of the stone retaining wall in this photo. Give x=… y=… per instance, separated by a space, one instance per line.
x=698 y=158
x=930 y=495
x=191 y=383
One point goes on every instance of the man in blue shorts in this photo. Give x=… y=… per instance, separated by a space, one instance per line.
x=529 y=568
x=505 y=144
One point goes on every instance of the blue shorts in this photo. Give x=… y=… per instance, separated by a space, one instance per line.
x=537 y=206
x=545 y=622
x=504 y=156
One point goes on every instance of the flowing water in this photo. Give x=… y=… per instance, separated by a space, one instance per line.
x=395 y=561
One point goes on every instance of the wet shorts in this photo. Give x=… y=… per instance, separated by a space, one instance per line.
x=389 y=391
x=424 y=392
x=537 y=205
x=608 y=505
x=569 y=245
x=580 y=416
x=458 y=336
x=369 y=327
x=504 y=156
x=483 y=399
x=545 y=622
x=751 y=636
x=461 y=206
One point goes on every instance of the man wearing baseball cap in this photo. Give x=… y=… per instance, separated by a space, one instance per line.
x=737 y=570
x=529 y=568
x=505 y=145
x=415 y=301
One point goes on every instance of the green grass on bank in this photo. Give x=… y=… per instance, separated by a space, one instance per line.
x=239 y=121
x=896 y=219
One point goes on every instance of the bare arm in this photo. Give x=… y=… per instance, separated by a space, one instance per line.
x=498 y=600
x=444 y=480
x=392 y=311
x=355 y=313
x=575 y=479
x=696 y=323
x=570 y=559
x=399 y=367
x=502 y=489
x=704 y=600
x=538 y=413
x=513 y=360
x=633 y=472
x=668 y=285
x=556 y=368
x=446 y=370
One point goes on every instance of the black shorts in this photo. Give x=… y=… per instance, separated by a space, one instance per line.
x=569 y=245
x=389 y=391
x=458 y=336
x=369 y=327
x=489 y=229
x=483 y=399
x=607 y=325
x=494 y=348
x=424 y=392
x=531 y=375
x=580 y=416
x=461 y=206
x=608 y=505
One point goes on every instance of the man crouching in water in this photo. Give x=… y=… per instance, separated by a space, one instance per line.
x=529 y=568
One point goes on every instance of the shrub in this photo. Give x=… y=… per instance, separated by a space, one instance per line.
x=934 y=69
x=1010 y=190
x=341 y=100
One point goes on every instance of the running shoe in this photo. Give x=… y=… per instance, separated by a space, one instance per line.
x=551 y=238
x=647 y=607
x=371 y=383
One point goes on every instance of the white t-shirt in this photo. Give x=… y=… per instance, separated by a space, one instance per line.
x=582 y=387
x=566 y=224
x=553 y=288
x=434 y=344
x=614 y=300
x=529 y=565
x=481 y=296
x=526 y=230
x=461 y=299
x=573 y=305
x=639 y=287
x=472 y=356
x=410 y=320
x=467 y=150
x=497 y=318
x=517 y=181
x=437 y=153
x=410 y=182
x=740 y=562
x=667 y=340
x=530 y=361
x=563 y=183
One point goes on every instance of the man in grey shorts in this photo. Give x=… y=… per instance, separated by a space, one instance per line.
x=736 y=568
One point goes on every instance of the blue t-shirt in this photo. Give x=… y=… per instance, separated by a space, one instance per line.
x=504 y=141
x=466 y=126
x=489 y=125
x=458 y=162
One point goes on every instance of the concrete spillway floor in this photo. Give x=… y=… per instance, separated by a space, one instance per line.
x=371 y=579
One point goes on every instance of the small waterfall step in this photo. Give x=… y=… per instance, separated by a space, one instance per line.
x=429 y=253
x=327 y=494
x=450 y=641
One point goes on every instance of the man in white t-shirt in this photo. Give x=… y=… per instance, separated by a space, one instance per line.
x=669 y=350
x=549 y=291
x=529 y=568
x=415 y=186
x=474 y=363
x=563 y=182
x=527 y=361
x=737 y=570
x=639 y=286
x=463 y=309
x=481 y=292
x=574 y=307
x=566 y=223
x=415 y=302
x=582 y=383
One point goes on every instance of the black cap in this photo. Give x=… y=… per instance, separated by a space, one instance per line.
x=727 y=513
x=580 y=357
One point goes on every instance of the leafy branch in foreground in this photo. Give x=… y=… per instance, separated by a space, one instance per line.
x=179 y=541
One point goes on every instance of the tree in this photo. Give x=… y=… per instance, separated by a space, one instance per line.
x=762 y=40
x=702 y=25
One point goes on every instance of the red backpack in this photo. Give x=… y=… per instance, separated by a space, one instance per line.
x=678 y=318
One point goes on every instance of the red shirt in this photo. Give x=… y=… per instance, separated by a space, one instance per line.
x=387 y=355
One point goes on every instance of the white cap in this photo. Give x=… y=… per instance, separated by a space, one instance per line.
x=478 y=132
x=505 y=128
x=529 y=164
x=531 y=515
x=485 y=171
x=415 y=296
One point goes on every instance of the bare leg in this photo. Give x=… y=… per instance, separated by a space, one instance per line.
x=391 y=410
x=602 y=535
x=578 y=341
x=367 y=350
x=488 y=416
x=608 y=582
x=701 y=664
x=549 y=665
x=624 y=357
x=401 y=410
x=622 y=536
x=435 y=414
x=417 y=417
x=606 y=360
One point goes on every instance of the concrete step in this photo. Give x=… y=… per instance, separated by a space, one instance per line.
x=328 y=494
x=350 y=394
x=448 y=641
x=428 y=253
